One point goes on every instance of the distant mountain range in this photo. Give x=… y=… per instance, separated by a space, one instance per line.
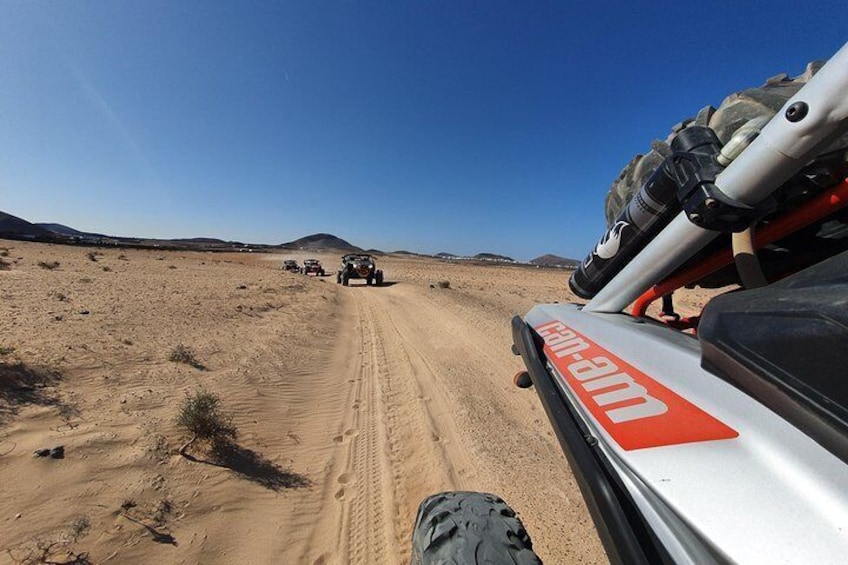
x=12 y=227
x=494 y=257
x=543 y=261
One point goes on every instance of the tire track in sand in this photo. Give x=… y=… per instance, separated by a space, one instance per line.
x=418 y=447
x=429 y=410
x=396 y=443
x=369 y=532
x=358 y=497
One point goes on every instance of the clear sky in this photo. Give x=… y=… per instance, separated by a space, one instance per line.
x=425 y=125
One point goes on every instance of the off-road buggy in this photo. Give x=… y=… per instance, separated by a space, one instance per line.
x=291 y=265
x=312 y=266
x=359 y=266
x=721 y=437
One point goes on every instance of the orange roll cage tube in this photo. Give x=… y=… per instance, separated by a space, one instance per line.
x=825 y=203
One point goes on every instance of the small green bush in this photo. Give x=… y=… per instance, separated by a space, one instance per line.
x=201 y=416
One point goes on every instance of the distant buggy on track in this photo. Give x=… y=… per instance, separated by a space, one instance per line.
x=291 y=265
x=312 y=266
x=359 y=266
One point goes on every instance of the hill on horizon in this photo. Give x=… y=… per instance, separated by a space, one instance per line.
x=58 y=228
x=321 y=241
x=14 y=225
x=493 y=257
x=549 y=260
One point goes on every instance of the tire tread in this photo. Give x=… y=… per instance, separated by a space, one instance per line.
x=470 y=528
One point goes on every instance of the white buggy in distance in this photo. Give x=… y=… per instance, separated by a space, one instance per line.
x=729 y=444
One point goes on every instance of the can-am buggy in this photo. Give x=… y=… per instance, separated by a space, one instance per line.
x=312 y=266
x=359 y=266
x=291 y=265
x=721 y=437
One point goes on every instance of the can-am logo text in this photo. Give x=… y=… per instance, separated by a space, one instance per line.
x=601 y=378
x=633 y=408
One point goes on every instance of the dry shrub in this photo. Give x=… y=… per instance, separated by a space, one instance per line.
x=184 y=354
x=201 y=416
x=443 y=284
x=49 y=265
x=58 y=549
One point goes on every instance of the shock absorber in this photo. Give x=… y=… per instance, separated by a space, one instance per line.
x=649 y=211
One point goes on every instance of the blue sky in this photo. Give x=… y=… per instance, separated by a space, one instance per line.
x=421 y=125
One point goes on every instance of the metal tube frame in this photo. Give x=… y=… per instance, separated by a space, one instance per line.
x=783 y=147
x=825 y=203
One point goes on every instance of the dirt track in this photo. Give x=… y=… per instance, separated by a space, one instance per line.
x=430 y=407
x=352 y=404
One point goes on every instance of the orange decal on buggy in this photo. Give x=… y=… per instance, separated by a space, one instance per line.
x=636 y=410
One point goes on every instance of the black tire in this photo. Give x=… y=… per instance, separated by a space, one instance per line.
x=339 y=277
x=469 y=527
x=736 y=110
x=345 y=278
x=379 y=278
x=369 y=280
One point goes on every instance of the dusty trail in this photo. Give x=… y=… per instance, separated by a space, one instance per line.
x=432 y=408
x=393 y=450
x=352 y=404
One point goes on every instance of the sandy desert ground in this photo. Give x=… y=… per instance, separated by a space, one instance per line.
x=352 y=405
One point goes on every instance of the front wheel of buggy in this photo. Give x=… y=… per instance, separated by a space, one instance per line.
x=469 y=527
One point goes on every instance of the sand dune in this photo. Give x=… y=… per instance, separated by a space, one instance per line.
x=352 y=405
